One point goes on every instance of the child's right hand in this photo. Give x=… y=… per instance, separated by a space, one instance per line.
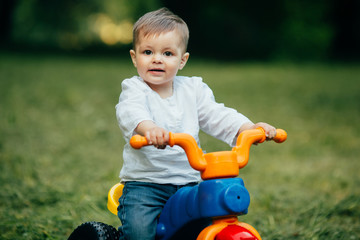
x=154 y=134
x=158 y=137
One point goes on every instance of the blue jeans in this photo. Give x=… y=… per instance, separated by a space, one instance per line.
x=140 y=205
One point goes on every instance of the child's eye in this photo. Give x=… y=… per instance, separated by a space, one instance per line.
x=147 y=52
x=168 y=54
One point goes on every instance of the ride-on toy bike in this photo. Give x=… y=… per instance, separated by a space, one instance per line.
x=207 y=211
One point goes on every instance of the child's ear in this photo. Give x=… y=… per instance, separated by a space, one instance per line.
x=184 y=60
x=133 y=57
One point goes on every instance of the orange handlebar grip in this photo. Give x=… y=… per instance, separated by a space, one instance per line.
x=138 y=141
x=281 y=136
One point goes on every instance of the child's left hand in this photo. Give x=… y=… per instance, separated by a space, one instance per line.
x=270 y=131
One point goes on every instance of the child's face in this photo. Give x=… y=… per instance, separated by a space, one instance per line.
x=159 y=57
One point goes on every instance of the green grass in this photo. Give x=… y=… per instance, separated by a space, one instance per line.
x=61 y=149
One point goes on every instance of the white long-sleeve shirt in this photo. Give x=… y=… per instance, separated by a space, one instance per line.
x=191 y=107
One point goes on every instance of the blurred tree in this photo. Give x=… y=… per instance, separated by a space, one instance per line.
x=239 y=30
x=279 y=29
x=258 y=29
x=7 y=8
x=51 y=23
x=231 y=29
x=345 y=17
x=306 y=32
x=75 y=24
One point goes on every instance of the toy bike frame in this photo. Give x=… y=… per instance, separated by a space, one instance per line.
x=216 y=202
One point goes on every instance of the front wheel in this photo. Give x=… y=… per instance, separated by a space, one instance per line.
x=94 y=231
x=234 y=232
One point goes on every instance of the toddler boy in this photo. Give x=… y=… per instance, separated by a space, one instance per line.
x=156 y=102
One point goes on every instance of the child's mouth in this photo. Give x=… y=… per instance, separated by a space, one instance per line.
x=157 y=70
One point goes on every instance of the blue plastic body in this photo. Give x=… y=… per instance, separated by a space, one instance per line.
x=211 y=198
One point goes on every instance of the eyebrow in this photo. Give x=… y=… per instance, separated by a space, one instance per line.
x=144 y=46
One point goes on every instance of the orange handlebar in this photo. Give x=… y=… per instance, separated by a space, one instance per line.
x=138 y=141
x=281 y=136
x=217 y=164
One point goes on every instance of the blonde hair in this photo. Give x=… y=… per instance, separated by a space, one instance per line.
x=160 y=21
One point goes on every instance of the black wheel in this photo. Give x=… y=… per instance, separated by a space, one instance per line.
x=94 y=231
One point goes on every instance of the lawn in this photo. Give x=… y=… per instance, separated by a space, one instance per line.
x=61 y=148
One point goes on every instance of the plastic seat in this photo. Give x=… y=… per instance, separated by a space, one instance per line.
x=113 y=197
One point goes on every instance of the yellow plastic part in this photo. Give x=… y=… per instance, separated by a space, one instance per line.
x=113 y=197
x=210 y=232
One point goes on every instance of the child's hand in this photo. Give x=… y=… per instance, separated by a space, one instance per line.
x=270 y=131
x=154 y=134
x=158 y=137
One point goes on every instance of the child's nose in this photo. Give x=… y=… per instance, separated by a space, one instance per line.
x=157 y=58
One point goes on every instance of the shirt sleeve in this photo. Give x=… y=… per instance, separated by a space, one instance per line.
x=132 y=108
x=214 y=118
